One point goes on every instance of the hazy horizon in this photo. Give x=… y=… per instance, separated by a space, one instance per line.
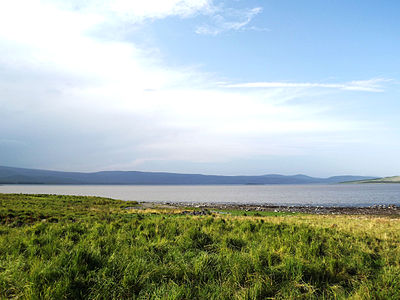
x=208 y=87
x=211 y=174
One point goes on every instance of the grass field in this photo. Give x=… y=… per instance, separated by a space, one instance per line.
x=65 y=247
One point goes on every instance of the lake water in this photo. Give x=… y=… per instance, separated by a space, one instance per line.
x=316 y=195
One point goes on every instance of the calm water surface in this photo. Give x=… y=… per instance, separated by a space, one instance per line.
x=321 y=195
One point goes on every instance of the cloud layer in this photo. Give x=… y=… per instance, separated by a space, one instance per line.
x=73 y=99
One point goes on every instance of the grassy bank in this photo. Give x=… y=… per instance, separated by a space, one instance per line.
x=64 y=247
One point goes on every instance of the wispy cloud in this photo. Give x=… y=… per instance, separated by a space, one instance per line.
x=227 y=20
x=371 y=85
x=220 y=18
x=138 y=11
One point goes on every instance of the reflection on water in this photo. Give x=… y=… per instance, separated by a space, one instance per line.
x=321 y=195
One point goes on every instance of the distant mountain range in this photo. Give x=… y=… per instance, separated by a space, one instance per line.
x=10 y=175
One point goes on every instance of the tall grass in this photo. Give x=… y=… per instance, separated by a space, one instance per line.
x=102 y=251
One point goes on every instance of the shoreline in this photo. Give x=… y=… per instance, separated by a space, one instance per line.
x=380 y=210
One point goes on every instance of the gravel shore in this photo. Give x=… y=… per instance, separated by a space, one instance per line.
x=383 y=210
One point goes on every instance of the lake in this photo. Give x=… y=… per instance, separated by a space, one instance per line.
x=316 y=195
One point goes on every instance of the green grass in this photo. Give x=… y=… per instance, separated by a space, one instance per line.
x=64 y=247
x=391 y=179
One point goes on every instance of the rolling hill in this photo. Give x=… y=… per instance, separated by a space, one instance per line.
x=11 y=175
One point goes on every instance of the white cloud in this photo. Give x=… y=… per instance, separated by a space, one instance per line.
x=138 y=11
x=371 y=85
x=227 y=20
x=160 y=9
x=80 y=102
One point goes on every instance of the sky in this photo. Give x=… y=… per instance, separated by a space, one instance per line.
x=201 y=86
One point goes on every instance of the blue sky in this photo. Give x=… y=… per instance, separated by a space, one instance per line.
x=214 y=87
